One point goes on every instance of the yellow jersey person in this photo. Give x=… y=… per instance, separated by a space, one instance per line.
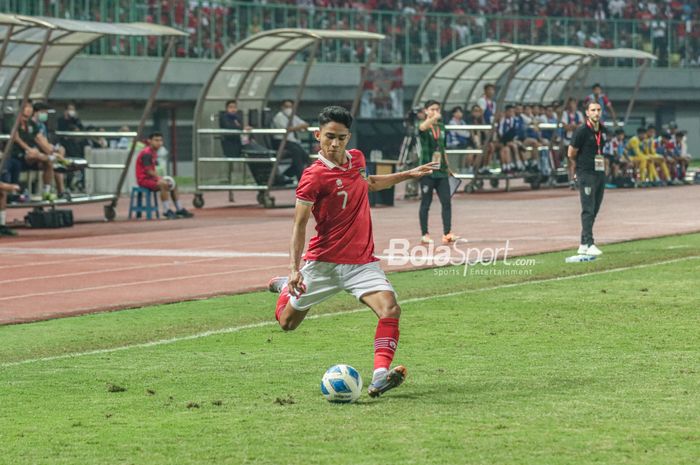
x=635 y=150
x=654 y=160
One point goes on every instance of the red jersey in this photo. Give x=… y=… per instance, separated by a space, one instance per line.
x=147 y=159
x=341 y=209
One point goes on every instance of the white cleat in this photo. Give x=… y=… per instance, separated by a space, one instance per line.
x=593 y=250
x=582 y=249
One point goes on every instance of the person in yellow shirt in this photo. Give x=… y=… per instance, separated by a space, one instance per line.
x=654 y=160
x=635 y=150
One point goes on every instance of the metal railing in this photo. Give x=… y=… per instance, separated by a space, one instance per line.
x=411 y=38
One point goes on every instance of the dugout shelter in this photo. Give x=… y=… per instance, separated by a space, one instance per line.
x=247 y=74
x=522 y=74
x=35 y=50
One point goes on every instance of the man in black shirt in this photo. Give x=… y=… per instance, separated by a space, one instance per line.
x=32 y=151
x=587 y=166
x=231 y=119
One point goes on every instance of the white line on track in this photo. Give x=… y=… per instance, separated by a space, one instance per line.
x=168 y=263
x=235 y=329
x=138 y=252
x=135 y=283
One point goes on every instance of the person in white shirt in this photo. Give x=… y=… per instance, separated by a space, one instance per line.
x=292 y=149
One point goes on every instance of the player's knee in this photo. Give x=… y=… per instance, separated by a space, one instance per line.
x=288 y=324
x=391 y=311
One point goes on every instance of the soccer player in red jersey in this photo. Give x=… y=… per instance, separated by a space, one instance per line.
x=340 y=257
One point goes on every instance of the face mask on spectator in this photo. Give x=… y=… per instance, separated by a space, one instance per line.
x=72 y=113
x=287 y=111
x=43 y=117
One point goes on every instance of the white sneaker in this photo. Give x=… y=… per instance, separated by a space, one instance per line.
x=582 y=249
x=593 y=250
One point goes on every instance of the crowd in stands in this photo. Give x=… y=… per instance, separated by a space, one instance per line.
x=532 y=139
x=420 y=31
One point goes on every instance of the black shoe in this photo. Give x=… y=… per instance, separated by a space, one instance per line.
x=5 y=231
x=182 y=213
x=170 y=215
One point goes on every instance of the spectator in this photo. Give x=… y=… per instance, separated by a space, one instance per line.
x=457 y=138
x=32 y=151
x=69 y=121
x=635 y=151
x=4 y=190
x=41 y=117
x=285 y=119
x=231 y=119
x=487 y=104
x=479 y=139
x=571 y=118
x=508 y=130
x=147 y=177
x=680 y=152
x=598 y=96
x=124 y=142
x=654 y=160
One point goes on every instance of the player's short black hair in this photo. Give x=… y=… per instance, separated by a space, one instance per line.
x=455 y=109
x=486 y=86
x=591 y=102
x=155 y=134
x=229 y=102
x=641 y=130
x=510 y=107
x=596 y=85
x=475 y=106
x=430 y=103
x=335 y=114
x=619 y=131
x=287 y=100
x=651 y=126
x=679 y=133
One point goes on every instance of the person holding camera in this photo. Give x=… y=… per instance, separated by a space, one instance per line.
x=433 y=141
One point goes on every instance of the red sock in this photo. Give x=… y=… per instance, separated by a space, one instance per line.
x=385 y=341
x=282 y=302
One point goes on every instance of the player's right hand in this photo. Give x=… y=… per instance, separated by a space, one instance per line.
x=296 y=284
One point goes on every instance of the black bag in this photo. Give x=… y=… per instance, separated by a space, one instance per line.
x=49 y=219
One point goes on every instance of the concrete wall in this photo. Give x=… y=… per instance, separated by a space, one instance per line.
x=109 y=78
x=111 y=91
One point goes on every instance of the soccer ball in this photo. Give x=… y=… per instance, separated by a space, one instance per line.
x=341 y=384
x=171 y=182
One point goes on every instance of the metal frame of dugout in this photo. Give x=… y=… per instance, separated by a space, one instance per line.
x=247 y=74
x=33 y=53
x=521 y=73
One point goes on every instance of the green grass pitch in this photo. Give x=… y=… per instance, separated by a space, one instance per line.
x=555 y=364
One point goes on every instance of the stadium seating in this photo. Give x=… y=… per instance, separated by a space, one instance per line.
x=419 y=31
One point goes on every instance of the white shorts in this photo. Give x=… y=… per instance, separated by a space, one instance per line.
x=323 y=280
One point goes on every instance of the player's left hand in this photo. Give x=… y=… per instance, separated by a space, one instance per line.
x=424 y=170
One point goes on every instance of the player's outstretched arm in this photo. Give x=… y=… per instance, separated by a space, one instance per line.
x=379 y=182
x=302 y=213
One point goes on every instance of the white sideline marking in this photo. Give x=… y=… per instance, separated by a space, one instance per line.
x=235 y=329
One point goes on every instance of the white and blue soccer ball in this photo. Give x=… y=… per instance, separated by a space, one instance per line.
x=341 y=384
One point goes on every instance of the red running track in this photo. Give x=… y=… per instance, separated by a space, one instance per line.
x=232 y=248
